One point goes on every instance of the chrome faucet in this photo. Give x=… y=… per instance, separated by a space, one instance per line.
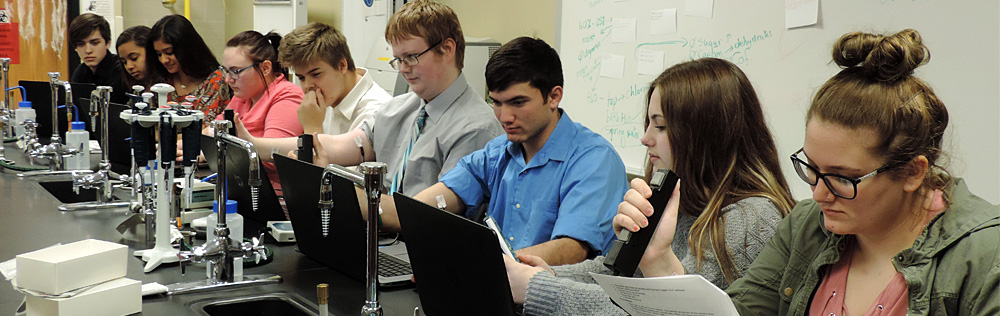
x=55 y=151
x=222 y=251
x=6 y=112
x=100 y=100
x=370 y=176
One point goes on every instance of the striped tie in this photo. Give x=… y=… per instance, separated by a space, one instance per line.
x=418 y=128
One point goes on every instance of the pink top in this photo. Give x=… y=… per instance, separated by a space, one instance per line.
x=273 y=116
x=829 y=298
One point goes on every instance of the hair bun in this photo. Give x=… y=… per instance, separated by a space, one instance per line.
x=885 y=58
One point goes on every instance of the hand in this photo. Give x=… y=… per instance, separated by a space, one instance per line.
x=312 y=111
x=659 y=258
x=180 y=150
x=319 y=155
x=241 y=130
x=518 y=274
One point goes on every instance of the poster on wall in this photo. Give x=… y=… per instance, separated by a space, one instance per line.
x=105 y=8
x=10 y=42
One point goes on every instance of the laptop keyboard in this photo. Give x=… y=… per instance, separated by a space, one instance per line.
x=389 y=266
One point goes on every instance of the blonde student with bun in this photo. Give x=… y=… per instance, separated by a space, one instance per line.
x=888 y=231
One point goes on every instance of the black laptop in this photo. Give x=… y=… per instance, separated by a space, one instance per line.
x=238 y=177
x=341 y=244
x=457 y=263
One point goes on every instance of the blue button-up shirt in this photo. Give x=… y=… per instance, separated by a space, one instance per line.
x=570 y=188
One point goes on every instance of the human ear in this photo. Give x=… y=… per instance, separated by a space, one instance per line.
x=915 y=172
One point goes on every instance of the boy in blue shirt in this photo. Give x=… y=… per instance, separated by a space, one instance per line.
x=552 y=185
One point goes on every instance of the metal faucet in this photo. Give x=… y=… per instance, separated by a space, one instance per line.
x=6 y=112
x=100 y=100
x=55 y=151
x=371 y=177
x=222 y=250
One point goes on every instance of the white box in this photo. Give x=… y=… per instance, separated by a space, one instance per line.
x=58 y=269
x=113 y=298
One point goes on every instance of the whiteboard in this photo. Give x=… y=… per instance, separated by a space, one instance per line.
x=786 y=67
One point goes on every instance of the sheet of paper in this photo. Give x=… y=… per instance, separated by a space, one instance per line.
x=801 y=13
x=663 y=22
x=648 y=62
x=613 y=66
x=699 y=8
x=623 y=30
x=674 y=295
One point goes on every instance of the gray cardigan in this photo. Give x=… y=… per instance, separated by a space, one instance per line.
x=749 y=224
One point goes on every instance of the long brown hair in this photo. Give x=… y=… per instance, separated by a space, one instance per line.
x=725 y=152
x=877 y=90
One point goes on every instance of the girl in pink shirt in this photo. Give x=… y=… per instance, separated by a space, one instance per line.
x=264 y=100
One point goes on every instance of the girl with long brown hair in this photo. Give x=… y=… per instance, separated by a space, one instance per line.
x=705 y=123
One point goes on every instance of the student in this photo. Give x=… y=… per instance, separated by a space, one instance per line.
x=888 y=231
x=187 y=64
x=131 y=46
x=90 y=34
x=551 y=183
x=731 y=196
x=264 y=100
x=427 y=41
x=339 y=96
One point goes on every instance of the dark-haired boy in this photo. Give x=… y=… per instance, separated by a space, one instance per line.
x=552 y=185
x=90 y=35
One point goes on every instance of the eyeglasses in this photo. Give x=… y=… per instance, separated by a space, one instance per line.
x=841 y=186
x=410 y=60
x=235 y=74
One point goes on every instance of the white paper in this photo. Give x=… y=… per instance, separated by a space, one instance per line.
x=104 y=8
x=648 y=62
x=613 y=66
x=623 y=30
x=801 y=12
x=674 y=295
x=663 y=22
x=699 y=8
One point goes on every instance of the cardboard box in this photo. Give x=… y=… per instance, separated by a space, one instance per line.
x=58 y=269
x=113 y=298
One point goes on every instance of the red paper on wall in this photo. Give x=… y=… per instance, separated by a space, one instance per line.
x=10 y=42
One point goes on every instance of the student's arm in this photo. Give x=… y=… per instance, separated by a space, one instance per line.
x=390 y=220
x=338 y=149
x=558 y=251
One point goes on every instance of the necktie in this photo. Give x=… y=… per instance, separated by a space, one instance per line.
x=418 y=128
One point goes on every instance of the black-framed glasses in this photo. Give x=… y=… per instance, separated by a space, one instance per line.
x=410 y=60
x=842 y=186
x=235 y=74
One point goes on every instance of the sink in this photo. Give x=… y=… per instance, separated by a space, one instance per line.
x=286 y=304
x=63 y=191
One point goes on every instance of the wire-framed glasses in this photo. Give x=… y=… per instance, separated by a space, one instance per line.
x=411 y=60
x=842 y=186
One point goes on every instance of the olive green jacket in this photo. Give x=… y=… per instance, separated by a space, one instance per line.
x=953 y=267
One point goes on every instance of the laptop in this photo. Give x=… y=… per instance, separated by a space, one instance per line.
x=457 y=262
x=238 y=177
x=343 y=246
x=39 y=93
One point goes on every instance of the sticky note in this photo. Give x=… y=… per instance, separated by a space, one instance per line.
x=648 y=62
x=623 y=30
x=699 y=8
x=663 y=22
x=613 y=66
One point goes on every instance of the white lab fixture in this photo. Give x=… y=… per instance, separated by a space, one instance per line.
x=280 y=16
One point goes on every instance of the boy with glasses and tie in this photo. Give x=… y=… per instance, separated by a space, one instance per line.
x=422 y=134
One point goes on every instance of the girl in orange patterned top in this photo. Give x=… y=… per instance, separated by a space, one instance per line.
x=187 y=64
